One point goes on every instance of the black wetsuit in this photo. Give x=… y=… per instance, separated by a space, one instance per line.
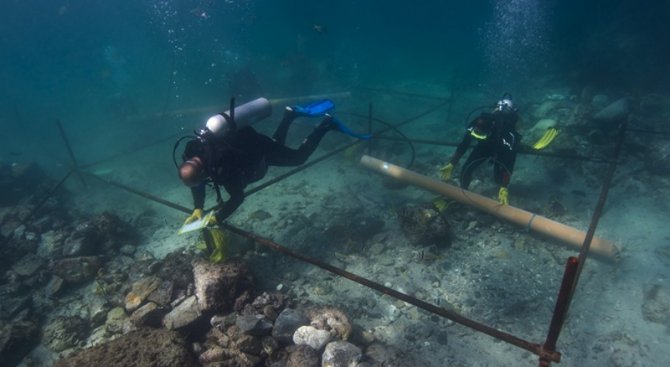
x=500 y=145
x=243 y=156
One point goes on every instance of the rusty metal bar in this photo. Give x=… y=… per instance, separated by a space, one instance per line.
x=70 y=152
x=574 y=271
x=560 y=309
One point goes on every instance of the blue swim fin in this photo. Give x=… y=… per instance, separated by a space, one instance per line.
x=341 y=127
x=315 y=109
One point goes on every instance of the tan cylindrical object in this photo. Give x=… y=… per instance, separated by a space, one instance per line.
x=536 y=223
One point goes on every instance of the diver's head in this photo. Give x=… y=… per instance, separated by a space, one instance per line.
x=192 y=172
x=505 y=106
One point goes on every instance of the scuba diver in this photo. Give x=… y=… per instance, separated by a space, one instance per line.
x=496 y=139
x=228 y=152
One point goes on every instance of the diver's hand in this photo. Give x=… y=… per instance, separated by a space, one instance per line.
x=445 y=172
x=197 y=215
x=503 y=196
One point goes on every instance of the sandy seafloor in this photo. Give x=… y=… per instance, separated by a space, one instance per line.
x=493 y=272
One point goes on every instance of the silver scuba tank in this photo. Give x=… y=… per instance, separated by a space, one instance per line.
x=244 y=115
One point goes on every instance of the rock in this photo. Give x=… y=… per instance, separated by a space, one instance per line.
x=163 y=294
x=98 y=308
x=254 y=325
x=76 y=269
x=185 y=314
x=340 y=354
x=424 y=225
x=18 y=338
x=223 y=322
x=116 y=318
x=140 y=291
x=140 y=348
x=51 y=245
x=147 y=315
x=28 y=265
x=65 y=333
x=331 y=319
x=309 y=335
x=54 y=286
x=614 y=112
x=218 y=285
x=212 y=355
x=656 y=305
x=303 y=356
x=288 y=321
x=249 y=344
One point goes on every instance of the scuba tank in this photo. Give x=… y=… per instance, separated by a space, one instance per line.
x=236 y=117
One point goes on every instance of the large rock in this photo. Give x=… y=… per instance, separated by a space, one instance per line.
x=185 y=314
x=256 y=325
x=76 y=269
x=28 y=265
x=140 y=348
x=288 y=321
x=340 y=354
x=332 y=320
x=424 y=226
x=302 y=356
x=309 y=335
x=218 y=285
x=65 y=333
x=614 y=112
x=17 y=338
x=140 y=291
x=103 y=234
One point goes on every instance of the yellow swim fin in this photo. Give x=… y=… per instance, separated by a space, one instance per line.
x=546 y=139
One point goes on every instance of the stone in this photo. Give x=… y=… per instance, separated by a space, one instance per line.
x=140 y=348
x=98 y=307
x=65 y=333
x=340 y=354
x=76 y=269
x=217 y=286
x=147 y=315
x=249 y=344
x=163 y=294
x=51 y=245
x=309 y=335
x=116 y=318
x=254 y=325
x=614 y=112
x=331 y=319
x=54 y=286
x=18 y=338
x=303 y=356
x=28 y=265
x=185 y=314
x=140 y=291
x=656 y=304
x=288 y=321
x=423 y=225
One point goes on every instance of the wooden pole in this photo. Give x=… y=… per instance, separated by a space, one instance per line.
x=535 y=223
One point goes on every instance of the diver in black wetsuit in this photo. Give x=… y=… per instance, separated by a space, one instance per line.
x=496 y=139
x=240 y=157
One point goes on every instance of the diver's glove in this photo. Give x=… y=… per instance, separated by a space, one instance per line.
x=196 y=215
x=503 y=196
x=445 y=172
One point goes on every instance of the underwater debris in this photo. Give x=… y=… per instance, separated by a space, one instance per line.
x=424 y=225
